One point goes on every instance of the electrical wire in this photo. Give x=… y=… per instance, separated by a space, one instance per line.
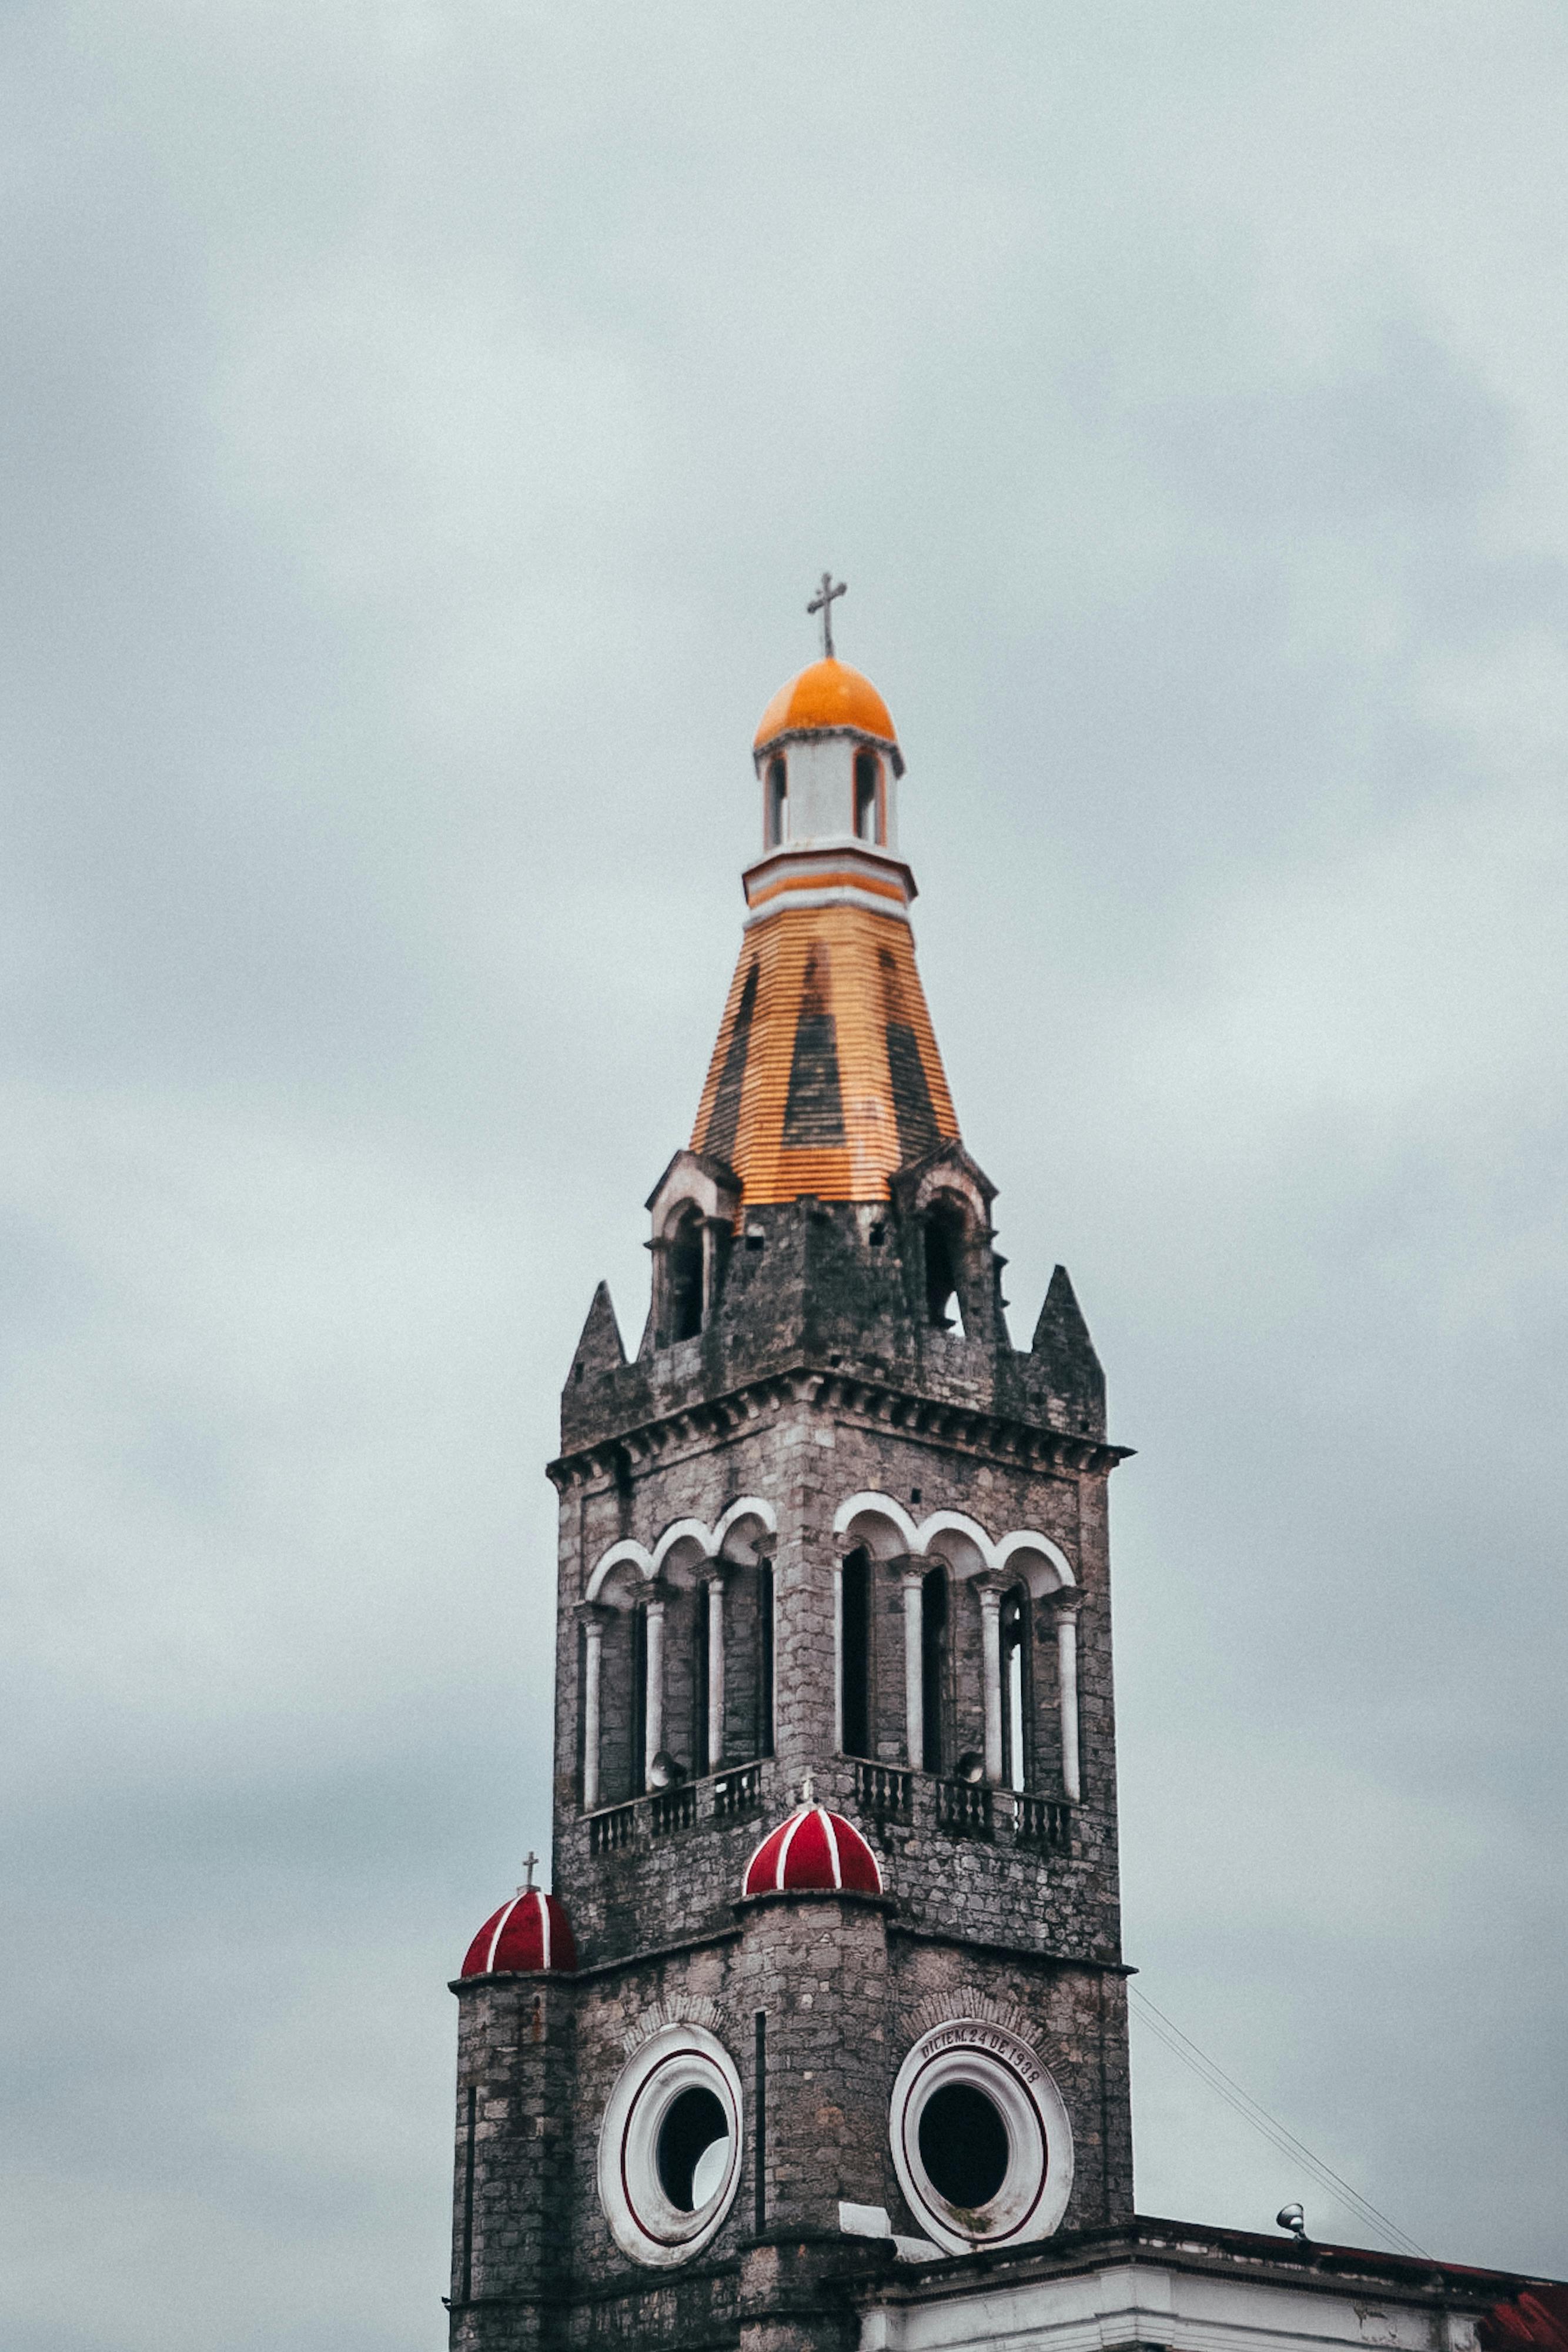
x=1269 y=2126
x=1278 y=2135
x=1166 y=2031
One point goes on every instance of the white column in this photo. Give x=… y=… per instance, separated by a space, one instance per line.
x=714 y=1670
x=1067 y=1681
x=653 y=1710
x=991 y=1653
x=593 y=1634
x=913 y=1666
x=1013 y=1672
x=837 y=1658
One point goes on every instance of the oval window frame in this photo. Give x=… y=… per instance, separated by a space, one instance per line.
x=1033 y=2196
x=642 y=2221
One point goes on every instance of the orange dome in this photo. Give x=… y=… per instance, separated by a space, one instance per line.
x=829 y=694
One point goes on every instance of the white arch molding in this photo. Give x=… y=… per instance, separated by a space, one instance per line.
x=629 y=1573
x=1023 y=1556
x=683 y=1544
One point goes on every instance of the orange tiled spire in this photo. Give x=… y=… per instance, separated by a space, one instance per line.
x=826 y=1076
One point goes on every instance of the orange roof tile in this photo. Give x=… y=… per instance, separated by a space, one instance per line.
x=825 y=1078
x=830 y=694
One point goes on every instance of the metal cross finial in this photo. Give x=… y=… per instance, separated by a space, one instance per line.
x=823 y=602
x=807 y=1794
x=530 y=1863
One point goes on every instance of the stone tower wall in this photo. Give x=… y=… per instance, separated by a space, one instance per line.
x=805 y=1456
x=844 y=1989
x=514 y=2160
x=821 y=1373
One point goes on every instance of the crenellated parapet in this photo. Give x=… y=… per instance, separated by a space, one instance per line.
x=901 y=1304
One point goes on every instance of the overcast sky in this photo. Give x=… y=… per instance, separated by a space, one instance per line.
x=422 y=426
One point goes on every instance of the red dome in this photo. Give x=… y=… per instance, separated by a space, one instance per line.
x=813 y=1852
x=527 y=1936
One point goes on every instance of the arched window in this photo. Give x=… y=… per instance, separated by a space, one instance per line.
x=1015 y=1686
x=854 y=1654
x=777 y=827
x=932 y=1667
x=868 y=796
x=944 y=1239
x=684 y=1279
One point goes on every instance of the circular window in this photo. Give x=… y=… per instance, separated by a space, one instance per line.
x=964 y=2144
x=693 y=2148
x=670 y=2145
x=981 y=2142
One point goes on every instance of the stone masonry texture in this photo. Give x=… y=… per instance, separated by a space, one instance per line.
x=819 y=1374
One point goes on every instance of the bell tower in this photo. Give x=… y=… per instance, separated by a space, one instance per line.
x=830 y=1978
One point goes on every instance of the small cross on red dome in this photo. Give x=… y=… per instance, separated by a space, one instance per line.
x=813 y=1852
x=529 y=1935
